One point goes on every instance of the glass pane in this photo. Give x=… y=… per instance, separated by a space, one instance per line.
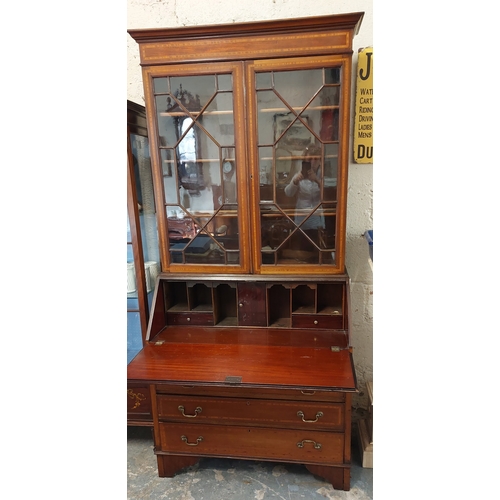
x=180 y=227
x=266 y=173
x=129 y=235
x=321 y=114
x=200 y=170
x=217 y=119
x=170 y=175
x=276 y=229
x=167 y=122
x=146 y=208
x=268 y=106
x=298 y=87
x=332 y=75
x=228 y=175
x=263 y=80
x=131 y=278
x=330 y=172
x=224 y=82
x=193 y=92
x=300 y=109
x=160 y=85
x=146 y=212
x=134 y=336
x=295 y=134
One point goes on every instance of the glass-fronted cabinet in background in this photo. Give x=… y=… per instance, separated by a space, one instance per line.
x=143 y=258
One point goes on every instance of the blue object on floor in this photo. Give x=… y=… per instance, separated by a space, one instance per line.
x=369 y=239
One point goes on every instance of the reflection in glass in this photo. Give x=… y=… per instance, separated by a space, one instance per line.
x=297 y=113
x=330 y=172
x=297 y=87
x=263 y=80
x=193 y=92
x=146 y=212
x=167 y=123
x=224 y=82
x=199 y=165
x=268 y=105
x=332 y=75
x=218 y=119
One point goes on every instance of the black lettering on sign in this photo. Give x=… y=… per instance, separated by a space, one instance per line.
x=365 y=151
x=368 y=67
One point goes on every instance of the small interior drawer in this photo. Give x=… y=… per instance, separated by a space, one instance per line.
x=191 y=318
x=323 y=321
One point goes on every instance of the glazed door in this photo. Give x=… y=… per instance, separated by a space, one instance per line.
x=299 y=163
x=143 y=259
x=200 y=165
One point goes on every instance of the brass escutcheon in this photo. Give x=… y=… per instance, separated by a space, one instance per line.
x=301 y=414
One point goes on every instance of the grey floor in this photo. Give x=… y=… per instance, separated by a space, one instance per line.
x=226 y=479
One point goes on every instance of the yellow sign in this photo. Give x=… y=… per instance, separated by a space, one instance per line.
x=363 y=113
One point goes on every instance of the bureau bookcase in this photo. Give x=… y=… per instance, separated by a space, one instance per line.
x=248 y=352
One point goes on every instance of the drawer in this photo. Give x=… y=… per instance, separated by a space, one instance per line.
x=251 y=392
x=191 y=318
x=258 y=412
x=328 y=321
x=252 y=442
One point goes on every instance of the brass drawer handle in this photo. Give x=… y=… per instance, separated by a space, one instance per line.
x=308 y=393
x=301 y=414
x=198 y=441
x=196 y=411
x=300 y=444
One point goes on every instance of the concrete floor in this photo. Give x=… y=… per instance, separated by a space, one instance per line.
x=226 y=479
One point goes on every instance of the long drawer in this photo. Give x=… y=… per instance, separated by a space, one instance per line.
x=256 y=412
x=251 y=392
x=252 y=442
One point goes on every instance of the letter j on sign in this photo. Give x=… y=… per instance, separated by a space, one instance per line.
x=363 y=115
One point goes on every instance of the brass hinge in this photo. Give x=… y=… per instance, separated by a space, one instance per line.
x=335 y=348
x=233 y=380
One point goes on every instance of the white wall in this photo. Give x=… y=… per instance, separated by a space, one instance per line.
x=171 y=13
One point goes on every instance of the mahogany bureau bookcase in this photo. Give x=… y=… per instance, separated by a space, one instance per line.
x=248 y=352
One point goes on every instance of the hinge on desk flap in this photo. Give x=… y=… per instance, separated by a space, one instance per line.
x=233 y=379
x=335 y=348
